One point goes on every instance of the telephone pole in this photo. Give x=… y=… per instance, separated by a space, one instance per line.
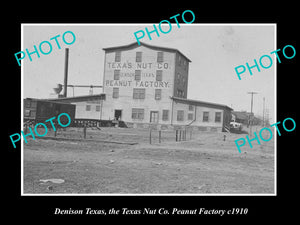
x=251 y=116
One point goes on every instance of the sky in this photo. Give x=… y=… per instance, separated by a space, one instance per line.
x=214 y=49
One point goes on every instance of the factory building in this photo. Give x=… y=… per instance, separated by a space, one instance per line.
x=87 y=106
x=146 y=84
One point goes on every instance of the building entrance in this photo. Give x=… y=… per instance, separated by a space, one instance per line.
x=118 y=114
x=154 y=117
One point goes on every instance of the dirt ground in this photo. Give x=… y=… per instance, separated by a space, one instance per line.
x=121 y=161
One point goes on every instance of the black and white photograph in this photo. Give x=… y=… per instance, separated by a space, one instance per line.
x=133 y=111
x=149 y=109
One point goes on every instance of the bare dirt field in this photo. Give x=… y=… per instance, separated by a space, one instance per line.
x=121 y=161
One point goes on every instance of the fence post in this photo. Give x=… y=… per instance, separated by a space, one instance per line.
x=159 y=136
x=55 y=130
x=84 y=131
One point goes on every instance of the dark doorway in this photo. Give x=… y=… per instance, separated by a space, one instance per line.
x=118 y=114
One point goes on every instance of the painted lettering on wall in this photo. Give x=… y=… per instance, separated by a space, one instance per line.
x=132 y=83
x=141 y=65
x=132 y=75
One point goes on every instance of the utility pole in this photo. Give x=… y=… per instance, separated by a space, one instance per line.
x=251 y=116
x=267 y=117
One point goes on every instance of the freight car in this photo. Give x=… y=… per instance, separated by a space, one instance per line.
x=37 y=111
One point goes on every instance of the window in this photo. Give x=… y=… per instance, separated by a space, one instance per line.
x=180 y=93
x=153 y=116
x=205 y=116
x=185 y=64
x=137 y=113
x=157 y=94
x=160 y=56
x=32 y=113
x=118 y=56
x=180 y=114
x=191 y=107
x=190 y=116
x=165 y=115
x=158 y=75
x=33 y=104
x=178 y=78
x=138 y=57
x=139 y=93
x=115 y=93
x=97 y=108
x=88 y=108
x=27 y=103
x=116 y=74
x=137 y=75
x=27 y=112
x=218 y=117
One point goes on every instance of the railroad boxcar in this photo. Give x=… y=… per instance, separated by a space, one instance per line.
x=38 y=111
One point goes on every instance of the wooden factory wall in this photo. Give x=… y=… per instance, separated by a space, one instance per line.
x=157 y=89
x=193 y=116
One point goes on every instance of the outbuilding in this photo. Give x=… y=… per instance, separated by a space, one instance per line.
x=87 y=106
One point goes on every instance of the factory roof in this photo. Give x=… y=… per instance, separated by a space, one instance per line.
x=135 y=45
x=78 y=98
x=202 y=103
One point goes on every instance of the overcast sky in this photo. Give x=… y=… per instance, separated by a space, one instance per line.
x=215 y=50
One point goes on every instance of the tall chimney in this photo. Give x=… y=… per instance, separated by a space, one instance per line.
x=66 y=71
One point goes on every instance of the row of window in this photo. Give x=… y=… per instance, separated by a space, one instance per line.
x=138 y=93
x=181 y=61
x=138 y=113
x=137 y=75
x=180 y=93
x=29 y=104
x=181 y=79
x=29 y=112
x=205 y=118
x=138 y=57
x=89 y=108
